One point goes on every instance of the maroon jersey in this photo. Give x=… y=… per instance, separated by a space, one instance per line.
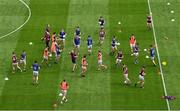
x=149 y=19
x=119 y=56
x=47 y=36
x=14 y=59
x=73 y=56
x=125 y=70
x=101 y=33
x=142 y=72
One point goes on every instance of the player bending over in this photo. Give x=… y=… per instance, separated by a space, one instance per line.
x=84 y=66
x=62 y=37
x=101 y=22
x=36 y=68
x=141 y=77
x=100 y=61
x=136 y=53
x=132 y=42
x=73 y=59
x=119 y=57
x=125 y=73
x=89 y=44
x=149 y=21
x=63 y=87
x=15 y=63
x=23 y=60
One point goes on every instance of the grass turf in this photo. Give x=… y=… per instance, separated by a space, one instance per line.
x=100 y=89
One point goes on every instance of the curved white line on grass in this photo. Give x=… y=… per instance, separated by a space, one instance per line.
x=29 y=10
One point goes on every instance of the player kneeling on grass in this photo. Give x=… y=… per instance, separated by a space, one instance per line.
x=45 y=56
x=152 y=54
x=141 y=77
x=84 y=66
x=136 y=53
x=63 y=87
x=36 y=68
x=62 y=37
x=100 y=61
x=119 y=58
x=77 y=42
x=125 y=72
x=132 y=42
x=23 y=60
x=101 y=36
x=73 y=59
x=113 y=45
x=89 y=44
x=15 y=63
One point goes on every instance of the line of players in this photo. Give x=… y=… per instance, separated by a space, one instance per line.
x=58 y=44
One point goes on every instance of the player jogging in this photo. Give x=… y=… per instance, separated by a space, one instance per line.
x=47 y=37
x=141 y=77
x=89 y=44
x=53 y=38
x=113 y=45
x=136 y=53
x=23 y=60
x=45 y=56
x=35 y=68
x=62 y=37
x=132 y=42
x=58 y=53
x=73 y=59
x=100 y=61
x=63 y=87
x=101 y=22
x=152 y=54
x=15 y=63
x=125 y=73
x=77 y=42
x=84 y=66
x=101 y=35
x=149 y=21
x=77 y=31
x=119 y=57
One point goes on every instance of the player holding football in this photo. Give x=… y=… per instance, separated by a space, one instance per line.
x=101 y=22
x=73 y=59
x=84 y=66
x=101 y=36
x=125 y=73
x=149 y=21
x=23 y=60
x=141 y=77
x=15 y=63
x=63 y=87
x=62 y=37
x=132 y=42
x=152 y=54
x=35 y=68
x=100 y=61
x=136 y=53
x=119 y=57
x=89 y=44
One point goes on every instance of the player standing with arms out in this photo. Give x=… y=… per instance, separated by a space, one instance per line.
x=101 y=22
x=119 y=58
x=84 y=66
x=77 y=42
x=132 y=42
x=64 y=87
x=101 y=36
x=136 y=53
x=62 y=37
x=152 y=54
x=36 y=68
x=125 y=72
x=113 y=45
x=45 y=56
x=149 y=21
x=89 y=44
x=23 y=60
x=100 y=61
x=141 y=77
x=15 y=63
x=73 y=59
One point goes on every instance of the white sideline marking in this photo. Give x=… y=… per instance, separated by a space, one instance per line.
x=159 y=59
x=1 y=37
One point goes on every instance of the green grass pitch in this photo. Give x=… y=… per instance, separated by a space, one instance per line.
x=100 y=89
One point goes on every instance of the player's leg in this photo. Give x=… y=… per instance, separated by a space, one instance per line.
x=13 y=68
x=17 y=65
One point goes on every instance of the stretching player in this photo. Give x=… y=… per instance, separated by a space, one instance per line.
x=141 y=77
x=77 y=42
x=36 y=68
x=73 y=59
x=101 y=36
x=63 y=87
x=149 y=21
x=119 y=58
x=15 y=63
x=132 y=42
x=23 y=60
x=125 y=72
x=152 y=54
x=136 y=53
x=100 y=61
x=84 y=66
x=101 y=22
x=89 y=44
x=62 y=37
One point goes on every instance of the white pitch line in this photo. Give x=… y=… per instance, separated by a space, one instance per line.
x=159 y=59
x=1 y=37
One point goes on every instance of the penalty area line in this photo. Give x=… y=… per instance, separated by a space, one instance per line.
x=159 y=59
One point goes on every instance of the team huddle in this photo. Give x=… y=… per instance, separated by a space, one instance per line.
x=55 y=45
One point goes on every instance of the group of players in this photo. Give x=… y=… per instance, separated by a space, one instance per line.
x=55 y=45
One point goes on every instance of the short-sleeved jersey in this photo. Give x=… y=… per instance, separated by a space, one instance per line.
x=45 y=52
x=64 y=85
x=77 y=40
x=14 y=59
x=35 y=67
x=99 y=56
x=135 y=49
x=125 y=70
x=102 y=33
x=119 y=56
x=73 y=56
x=142 y=72
x=47 y=36
x=149 y=18
x=101 y=21
x=83 y=62
x=132 y=40
x=113 y=43
x=89 y=41
x=62 y=35
x=23 y=56
x=77 y=32
x=152 y=52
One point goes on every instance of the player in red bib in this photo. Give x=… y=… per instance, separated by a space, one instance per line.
x=45 y=56
x=84 y=66
x=100 y=61
x=141 y=77
x=64 y=88
x=132 y=42
x=15 y=63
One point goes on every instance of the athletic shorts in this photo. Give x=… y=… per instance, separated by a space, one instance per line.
x=45 y=57
x=73 y=61
x=152 y=57
x=64 y=92
x=141 y=78
x=132 y=45
x=62 y=39
x=35 y=73
x=100 y=62
x=125 y=76
x=118 y=60
x=136 y=53
x=15 y=64
x=89 y=46
x=22 y=61
x=77 y=46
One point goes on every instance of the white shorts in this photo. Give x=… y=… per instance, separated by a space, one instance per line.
x=100 y=62
x=136 y=53
x=114 y=47
x=77 y=46
x=45 y=57
x=15 y=64
x=35 y=73
x=23 y=61
x=141 y=78
x=89 y=46
x=62 y=39
x=132 y=45
x=101 y=38
x=126 y=76
x=152 y=57
x=64 y=92
x=118 y=60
